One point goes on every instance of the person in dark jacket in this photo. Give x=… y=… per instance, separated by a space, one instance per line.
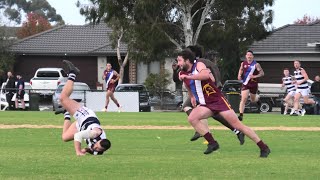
x=315 y=90
x=1 y=77
x=10 y=90
x=20 y=93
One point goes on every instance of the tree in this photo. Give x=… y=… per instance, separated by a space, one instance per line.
x=160 y=27
x=13 y=10
x=120 y=21
x=306 y=20
x=6 y=57
x=157 y=84
x=35 y=24
x=244 y=22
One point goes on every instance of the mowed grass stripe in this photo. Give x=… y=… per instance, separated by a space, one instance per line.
x=148 y=127
x=156 y=119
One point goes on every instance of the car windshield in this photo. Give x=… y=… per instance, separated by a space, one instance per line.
x=48 y=74
x=63 y=73
x=130 y=89
x=232 y=87
x=76 y=88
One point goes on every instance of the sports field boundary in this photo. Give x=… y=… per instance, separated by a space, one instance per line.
x=148 y=127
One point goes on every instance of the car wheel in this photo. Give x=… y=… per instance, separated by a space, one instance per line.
x=266 y=106
x=179 y=106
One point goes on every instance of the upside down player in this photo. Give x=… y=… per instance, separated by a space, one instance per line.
x=87 y=126
x=201 y=87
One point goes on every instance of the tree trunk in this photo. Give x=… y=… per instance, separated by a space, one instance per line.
x=122 y=66
x=121 y=63
x=187 y=25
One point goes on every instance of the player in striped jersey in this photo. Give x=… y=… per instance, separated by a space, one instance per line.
x=303 y=90
x=87 y=126
x=288 y=82
x=201 y=87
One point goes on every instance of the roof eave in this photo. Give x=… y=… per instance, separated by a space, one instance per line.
x=287 y=52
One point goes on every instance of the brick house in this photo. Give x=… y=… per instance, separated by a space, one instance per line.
x=286 y=44
x=88 y=47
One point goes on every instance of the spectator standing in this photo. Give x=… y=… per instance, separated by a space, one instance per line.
x=10 y=89
x=315 y=90
x=20 y=93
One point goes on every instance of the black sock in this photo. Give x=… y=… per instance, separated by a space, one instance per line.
x=236 y=131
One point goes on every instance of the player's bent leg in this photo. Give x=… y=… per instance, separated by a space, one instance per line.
x=70 y=105
x=187 y=108
x=114 y=99
x=239 y=134
x=69 y=129
x=194 y=118
x=231 y=117
x=244 y=98
x=107 y=100
x=196 y=115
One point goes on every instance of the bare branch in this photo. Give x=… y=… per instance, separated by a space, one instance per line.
x=118 y=46
x=203 y=17
x=173 y=41
x=194 y=3
x=195 y=13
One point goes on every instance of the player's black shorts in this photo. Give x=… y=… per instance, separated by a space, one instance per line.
x=21 y=95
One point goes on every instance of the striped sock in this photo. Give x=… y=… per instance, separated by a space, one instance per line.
x=67 y=116
x=72 y=76
x=236 y=131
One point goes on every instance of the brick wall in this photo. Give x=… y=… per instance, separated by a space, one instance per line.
x=132 y=72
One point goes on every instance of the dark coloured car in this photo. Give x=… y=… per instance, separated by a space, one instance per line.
x=169 y=101
x=144 y=97
x=268 y=99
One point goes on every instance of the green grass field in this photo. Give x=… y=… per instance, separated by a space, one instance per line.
x=28 y=153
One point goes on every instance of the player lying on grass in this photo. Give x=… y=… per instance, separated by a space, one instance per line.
x=87 y=126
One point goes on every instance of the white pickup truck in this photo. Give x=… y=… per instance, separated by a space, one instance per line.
x=46 y=80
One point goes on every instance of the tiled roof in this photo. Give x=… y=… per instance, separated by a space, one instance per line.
x=290 y=39
x=69 y=40
x=9 y=32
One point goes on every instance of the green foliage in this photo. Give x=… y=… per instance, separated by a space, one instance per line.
x=157 y=83
x=159 y=28
x=7 y=59
x=244 y=23
x=13 y=10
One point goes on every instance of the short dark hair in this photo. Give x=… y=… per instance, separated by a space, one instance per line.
x=196 y=50
x=250 y=51
x=105 y=143
x=286 y=69
x=187 y=54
